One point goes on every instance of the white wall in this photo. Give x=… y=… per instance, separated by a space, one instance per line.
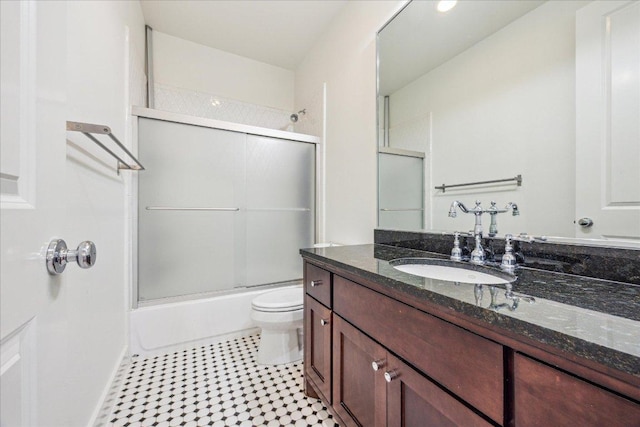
x=188 y=65
x=105 y=49
x=502 y=108
x=345 y=58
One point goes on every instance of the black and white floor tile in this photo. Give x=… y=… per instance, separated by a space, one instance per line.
x=215 y=385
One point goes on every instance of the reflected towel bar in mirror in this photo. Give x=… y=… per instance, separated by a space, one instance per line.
x=517 y=179
x=88 y=129
x=172 y=208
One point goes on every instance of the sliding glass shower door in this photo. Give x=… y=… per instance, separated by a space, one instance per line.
x=400 y=191
x=220 y=210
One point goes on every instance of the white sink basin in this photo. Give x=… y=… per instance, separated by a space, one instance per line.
x=452 y=271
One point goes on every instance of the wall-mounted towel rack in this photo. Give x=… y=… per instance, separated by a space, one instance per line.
x=176 y=208
x=517 y=179
x=88 y=129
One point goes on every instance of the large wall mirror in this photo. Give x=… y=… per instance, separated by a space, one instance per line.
x=548 y=91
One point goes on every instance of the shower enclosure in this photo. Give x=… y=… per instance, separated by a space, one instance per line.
x=220 y=210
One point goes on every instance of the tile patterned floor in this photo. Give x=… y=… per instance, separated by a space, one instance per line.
x=216 y=385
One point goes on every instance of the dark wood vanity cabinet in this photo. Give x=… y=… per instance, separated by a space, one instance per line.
x=318 y=321
x=470 y=366
x=437 y=373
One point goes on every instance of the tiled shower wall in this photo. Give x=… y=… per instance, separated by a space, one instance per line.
x=201 y=104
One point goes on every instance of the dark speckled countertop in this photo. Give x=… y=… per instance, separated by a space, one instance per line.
x=596 y=319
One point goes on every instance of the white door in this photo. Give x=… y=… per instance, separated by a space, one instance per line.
x=32 y=82
x=608 y=121
x=62 y=337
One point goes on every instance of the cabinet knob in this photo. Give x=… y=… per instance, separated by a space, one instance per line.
x=377 y=364
x=390 y=376
x=315 y=283
x=324 y=322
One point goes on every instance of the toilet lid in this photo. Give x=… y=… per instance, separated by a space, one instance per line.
x=287 y=299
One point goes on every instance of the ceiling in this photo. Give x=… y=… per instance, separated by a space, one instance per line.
x=277 y=32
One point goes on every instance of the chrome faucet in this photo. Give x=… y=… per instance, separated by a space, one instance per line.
x=478 y=254
x=477 y=211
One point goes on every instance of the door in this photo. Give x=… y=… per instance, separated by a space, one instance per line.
x=62 y=337
x=33 y=135
x=359 y=391
x=608 y=120
x=400 y=189
x=190 y=239
x=414 y=401
x=317 y=344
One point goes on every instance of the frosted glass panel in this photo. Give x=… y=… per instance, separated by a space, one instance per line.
x=189 y=165
x=279 y=173
x=274 y=239
x=280 y=208
x=184 y=252
x=186 y=244
x=401 y=191
x=401 y=220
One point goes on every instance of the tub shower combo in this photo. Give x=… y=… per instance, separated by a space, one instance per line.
x=223 y=210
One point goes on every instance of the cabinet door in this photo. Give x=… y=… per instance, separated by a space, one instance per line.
x=359 y=391
x=545 y=396
x=317 y=346
x=465 y=363
x=414 y=401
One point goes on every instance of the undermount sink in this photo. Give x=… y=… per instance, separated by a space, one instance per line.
x=452 y=271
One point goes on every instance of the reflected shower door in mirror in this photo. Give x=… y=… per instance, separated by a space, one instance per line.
x=546 y=90
x=401 y=191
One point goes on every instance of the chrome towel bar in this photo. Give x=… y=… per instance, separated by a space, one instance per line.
x=88 y=129
x=172 y=208
x=177 y=208
x=517 y=179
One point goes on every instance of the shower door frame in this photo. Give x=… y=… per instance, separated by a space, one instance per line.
x=132 y=191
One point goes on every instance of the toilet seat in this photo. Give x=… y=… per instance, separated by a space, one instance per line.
x=281 y=300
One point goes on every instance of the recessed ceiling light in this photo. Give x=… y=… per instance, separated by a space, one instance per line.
x=446 y=5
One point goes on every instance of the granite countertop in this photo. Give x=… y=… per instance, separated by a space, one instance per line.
x=598 y=320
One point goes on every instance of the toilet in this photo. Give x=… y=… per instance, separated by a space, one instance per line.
x=279 y=314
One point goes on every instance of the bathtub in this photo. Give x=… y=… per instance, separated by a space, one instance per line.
x=174 y=326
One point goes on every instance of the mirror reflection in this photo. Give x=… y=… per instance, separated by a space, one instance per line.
x=495 y=90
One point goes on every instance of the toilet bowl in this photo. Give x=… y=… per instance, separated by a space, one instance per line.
x=279 y=314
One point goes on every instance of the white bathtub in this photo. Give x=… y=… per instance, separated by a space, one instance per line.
x=175 y=326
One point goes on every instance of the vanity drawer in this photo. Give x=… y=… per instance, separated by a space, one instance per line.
x=466 y=364
x=550 y=397
x=317 y=283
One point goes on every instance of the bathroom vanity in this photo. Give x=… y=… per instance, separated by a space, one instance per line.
x=386 y=348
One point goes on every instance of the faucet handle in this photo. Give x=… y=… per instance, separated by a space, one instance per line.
x=456 y=252
x=508 y=263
